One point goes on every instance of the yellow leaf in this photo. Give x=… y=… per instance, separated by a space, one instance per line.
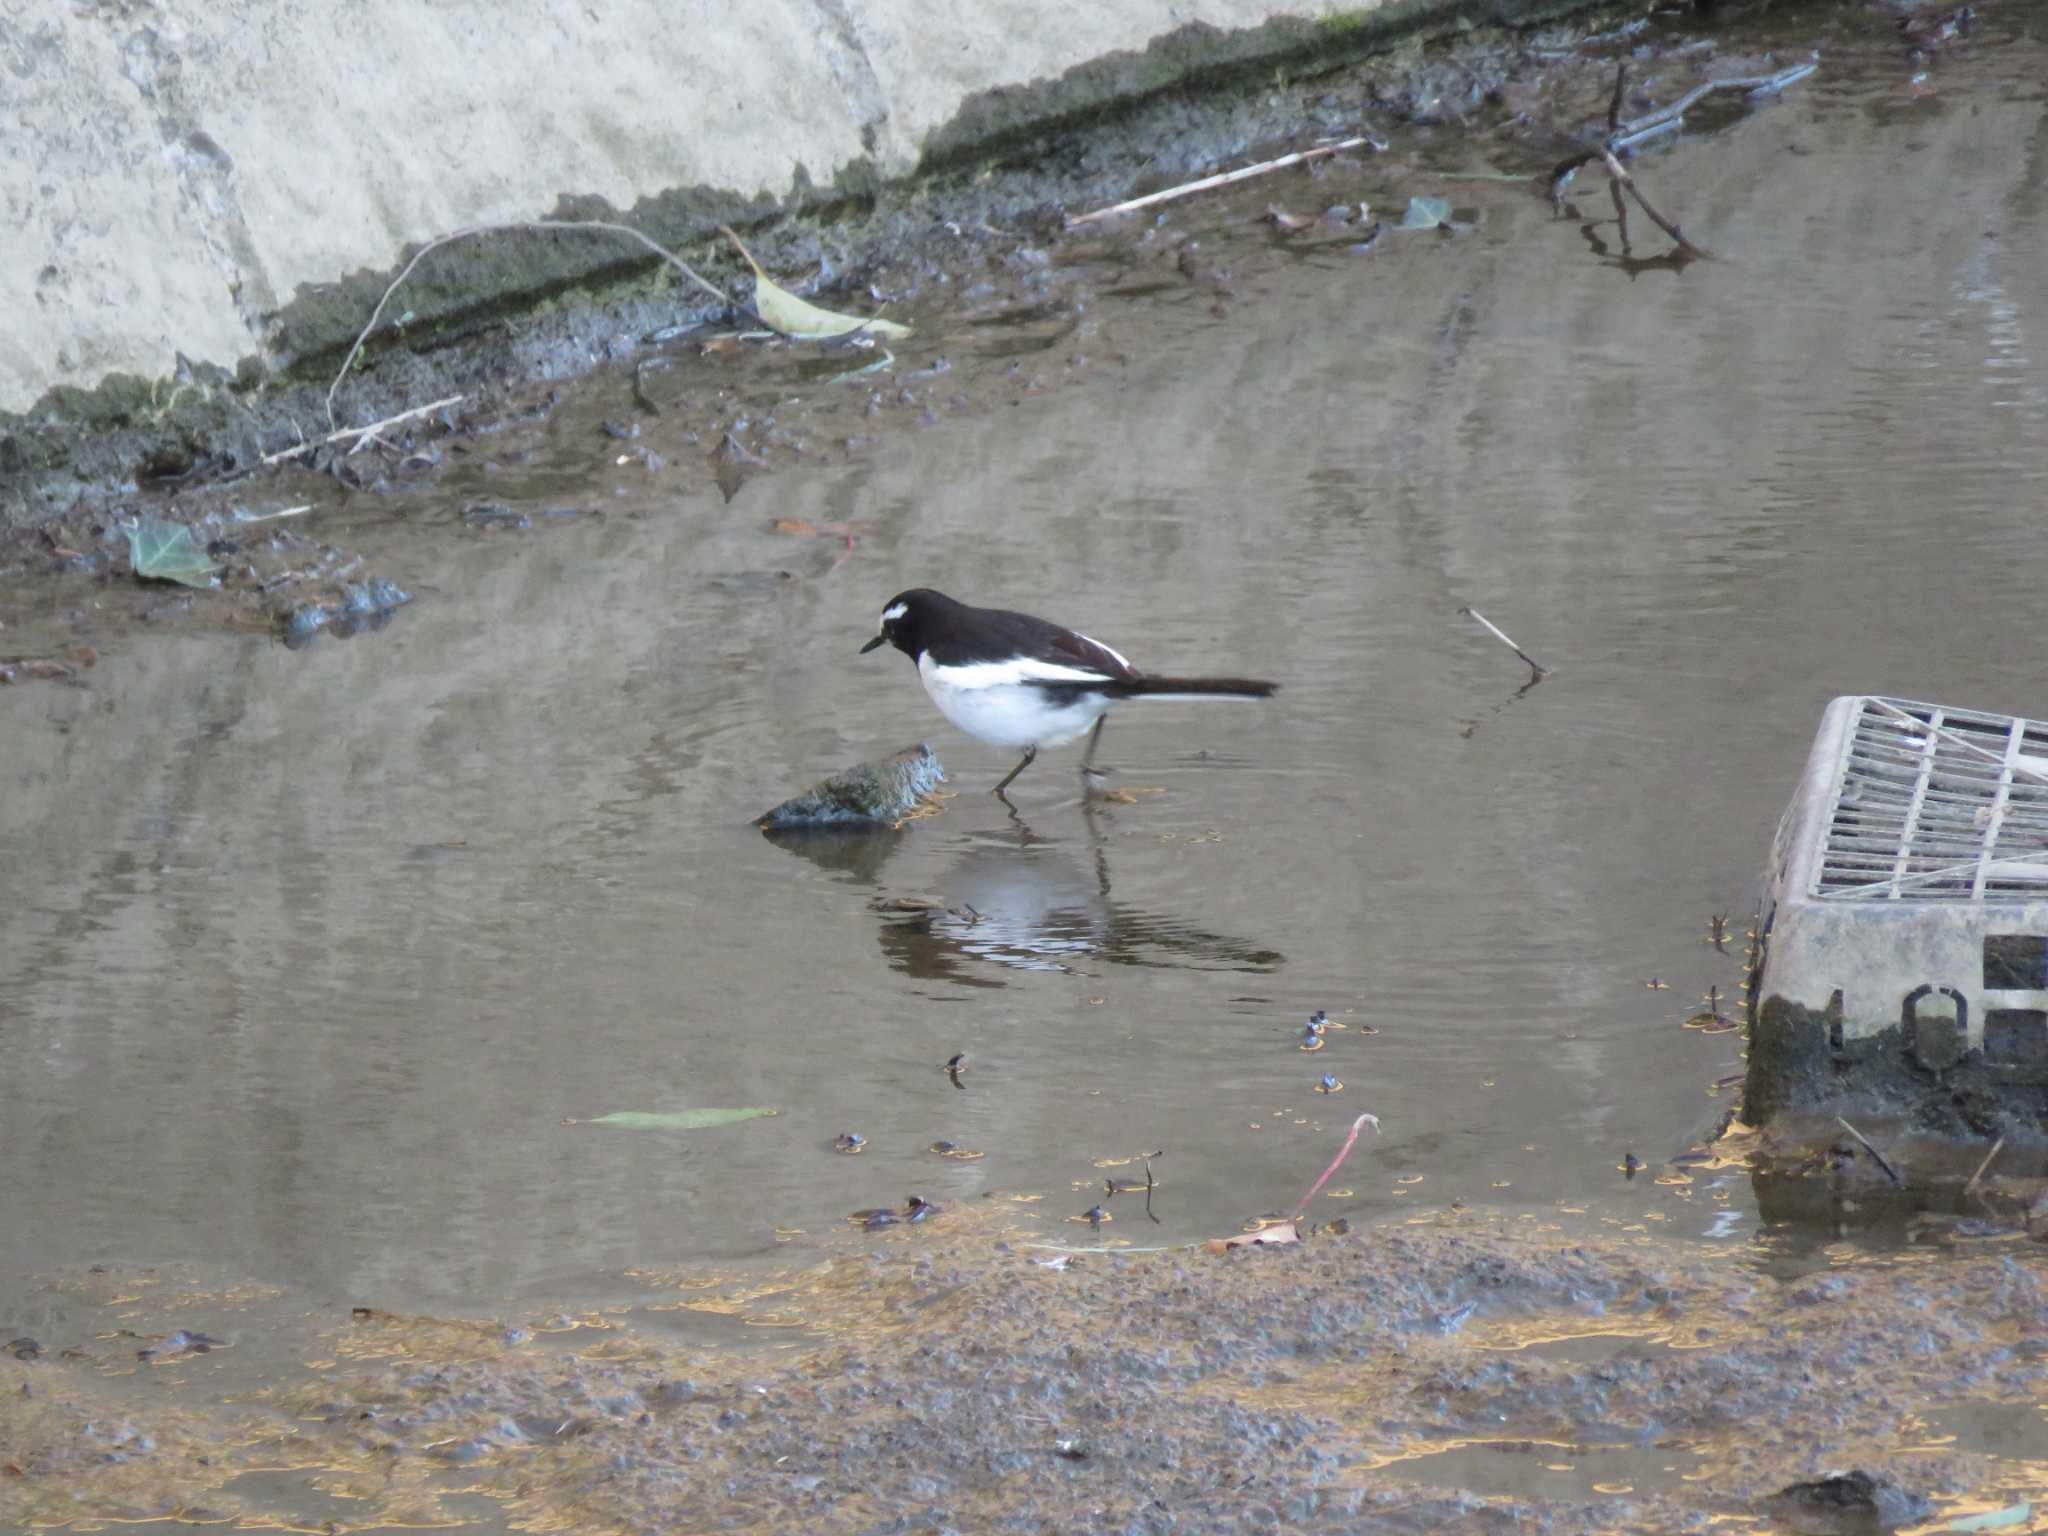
x=783 y=311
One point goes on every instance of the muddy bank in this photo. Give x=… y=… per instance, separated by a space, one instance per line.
x=1006 y=302
x=1456 y=1370
x=488 y=314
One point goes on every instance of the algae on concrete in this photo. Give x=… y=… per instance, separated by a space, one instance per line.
x=909 y=153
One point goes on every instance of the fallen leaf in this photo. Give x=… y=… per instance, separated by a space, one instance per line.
x=1285 y=222
x=35 y=669
x=1992 y=1520
x=1279 y=1232
x=881 y=364
x=164 y=551
x=797 y=526
x=783 y=311
x=674 y=1119
x=1426 y=213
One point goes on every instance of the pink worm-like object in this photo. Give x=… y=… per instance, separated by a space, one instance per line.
x=1338 y=1161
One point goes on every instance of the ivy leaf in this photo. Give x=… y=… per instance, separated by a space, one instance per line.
x=164 y=551
x=675 y=1119
x=781 y=310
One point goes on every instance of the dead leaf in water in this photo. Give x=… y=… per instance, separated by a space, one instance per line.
x=672 y=1119
x=47 y=669
x=783 y=311
x=730 y=461
x=1279 y=1232
x=1285 y=222
x=162 y=551
x=1426 y=213
x=1993 y=1520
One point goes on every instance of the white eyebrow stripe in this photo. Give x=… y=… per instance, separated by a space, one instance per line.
x=1119 y=655
x=1014 y=672
x=894 y=612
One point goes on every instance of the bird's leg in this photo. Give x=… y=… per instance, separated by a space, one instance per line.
x=1090 y=773
x=1022 y=764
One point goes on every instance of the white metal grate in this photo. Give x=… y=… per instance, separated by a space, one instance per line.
x=1938 y=804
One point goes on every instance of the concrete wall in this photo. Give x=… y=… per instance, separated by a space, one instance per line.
x=174 y=171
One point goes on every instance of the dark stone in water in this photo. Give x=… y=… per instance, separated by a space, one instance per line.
x=363 y=606
x=1845 y=1503
x=871 y=794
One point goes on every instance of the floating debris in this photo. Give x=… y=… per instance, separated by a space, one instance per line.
x=672 y=1119
x=1426 y=213
x=915 y=1209
x=163 y=551
x=182 y=1342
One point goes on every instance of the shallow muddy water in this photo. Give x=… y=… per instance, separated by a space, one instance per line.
x=309 y=955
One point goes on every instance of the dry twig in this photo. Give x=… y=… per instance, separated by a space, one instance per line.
x=1890 y=1172
x=348 y=432
x=1996 y=1147
x=1225 y=178
x=1534 y=665
x=494 y=229
x=1623 y=179
x=1622 y=137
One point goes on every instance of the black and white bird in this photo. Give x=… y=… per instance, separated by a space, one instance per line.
x=1016 y=681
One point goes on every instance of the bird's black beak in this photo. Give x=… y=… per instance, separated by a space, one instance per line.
x=878 y=640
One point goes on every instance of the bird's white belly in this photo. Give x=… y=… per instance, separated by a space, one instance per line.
x=1011 y=714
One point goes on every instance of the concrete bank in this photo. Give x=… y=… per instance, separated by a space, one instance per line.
x=205 y=200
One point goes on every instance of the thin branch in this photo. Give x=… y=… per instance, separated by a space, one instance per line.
x=1534 y=665
x=1615 y=169
x=1621 y=136
x=1890 y=1171
x=348 y=432
x=495 y=229
x=1996 y=1147
x=1299 y=157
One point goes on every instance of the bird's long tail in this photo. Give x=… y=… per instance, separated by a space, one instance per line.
x=1192 y=688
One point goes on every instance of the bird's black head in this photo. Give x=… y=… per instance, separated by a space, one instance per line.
x=905 y=618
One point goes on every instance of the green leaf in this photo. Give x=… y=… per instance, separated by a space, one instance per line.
x=676 y=1119
x=1426 y=213
x=165 y=552
x=1995 y=1520
x=781 y=310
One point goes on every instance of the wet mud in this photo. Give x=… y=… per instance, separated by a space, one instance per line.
x=1453 y=1371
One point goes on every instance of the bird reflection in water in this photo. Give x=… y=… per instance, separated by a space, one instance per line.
x=1018 y=900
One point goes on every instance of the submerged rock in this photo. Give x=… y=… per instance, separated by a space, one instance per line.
x=876 y=793
x=1847 y=1504
x=361 y=606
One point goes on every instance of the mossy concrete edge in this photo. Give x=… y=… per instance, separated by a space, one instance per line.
x=525 y=305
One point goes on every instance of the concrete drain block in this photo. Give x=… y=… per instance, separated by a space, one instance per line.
x=1903 y=941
